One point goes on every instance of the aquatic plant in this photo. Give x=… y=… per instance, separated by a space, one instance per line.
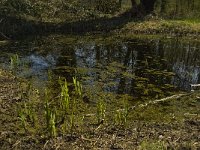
x=72 y=122
x=50 y=115
x=69 y=103
x=78 y=87
x=30 y=113
x=22 y=118
x=47 y=109
x=65 y=98
x=27 y=114
x=52 y=127
x=101 y=111
x=14 y=61
x=122 y=114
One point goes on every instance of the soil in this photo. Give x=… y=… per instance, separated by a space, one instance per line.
x=180 y=129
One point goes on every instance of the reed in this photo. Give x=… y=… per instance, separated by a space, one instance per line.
x=47 y=109
x=30 y=113
x=72 y=122
x=14 y=61
x=78 y=87
x=121 y=115
x=65 y=98
x=50 y=115
x=69 y=102
x=27 y=115
x=22 y=118
x=101 y=111
x=52 y=124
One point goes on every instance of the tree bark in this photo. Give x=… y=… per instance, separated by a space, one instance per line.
x=148 y=5
x=134 y=4
x=145 y=7
x=135 y=10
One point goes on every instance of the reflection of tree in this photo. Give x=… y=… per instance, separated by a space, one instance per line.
x=66 y=63
x=185 y=60
x=199 y=78
x=146 y=63
x=122 y=82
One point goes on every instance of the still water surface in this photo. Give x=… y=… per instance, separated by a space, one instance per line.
x=140 y=67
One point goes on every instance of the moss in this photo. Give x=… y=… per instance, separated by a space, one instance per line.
x=164 y=27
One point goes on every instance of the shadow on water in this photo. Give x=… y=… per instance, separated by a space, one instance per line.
x=13 y=27
x=141 y=67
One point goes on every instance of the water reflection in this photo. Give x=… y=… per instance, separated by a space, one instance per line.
x=140 y=67
x=185 y=60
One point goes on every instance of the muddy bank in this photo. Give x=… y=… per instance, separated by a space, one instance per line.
x=170 y=124
x=8 y=86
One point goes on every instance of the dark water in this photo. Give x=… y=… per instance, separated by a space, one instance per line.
x=141 y=67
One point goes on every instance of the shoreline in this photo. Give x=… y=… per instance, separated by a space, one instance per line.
x=172 y=28
x=118 y=25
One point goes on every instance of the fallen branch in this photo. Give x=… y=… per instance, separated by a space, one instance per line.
x=193 y=86
x=4 y=36
x=148 y=103
x=158 y=100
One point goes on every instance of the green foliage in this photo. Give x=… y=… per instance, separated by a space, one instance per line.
x=65 y=98
x=101 y=111
x=150 y=145
x=26 y=114
x=22 y=118
x=122 y=114
x=47 y=109
x=52 y=127
x=78 y=87
x=72 y=10
x=14 y=62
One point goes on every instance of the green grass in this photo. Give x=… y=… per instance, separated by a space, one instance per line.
x=152 y=145
x=191 y=20
x=161 y=27
x=14 y=61
x=101 y=111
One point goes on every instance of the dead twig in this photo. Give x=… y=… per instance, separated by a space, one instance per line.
x=158 y=101
x=86 y=139
x=4 y=36
x=16 y=143
x=45 y=144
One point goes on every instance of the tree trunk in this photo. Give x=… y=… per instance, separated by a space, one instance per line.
x=135 y=10
x=134 y=4
x=163 y=6
x=120 y=3
x=145 y=7
x=148 y=5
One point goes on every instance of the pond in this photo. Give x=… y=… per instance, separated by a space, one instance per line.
x=141 y=67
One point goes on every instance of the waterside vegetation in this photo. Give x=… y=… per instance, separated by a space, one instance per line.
x=45 y=120
x=67 y=114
